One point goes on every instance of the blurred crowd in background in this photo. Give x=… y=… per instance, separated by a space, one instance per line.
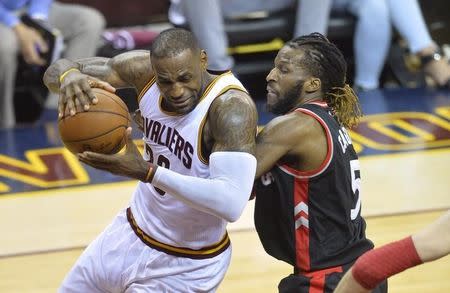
x=387 y=43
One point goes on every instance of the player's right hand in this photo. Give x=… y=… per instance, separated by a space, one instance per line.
x=75 y=93
x=129 y=163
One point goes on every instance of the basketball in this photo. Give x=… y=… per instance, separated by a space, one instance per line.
x=101 y=129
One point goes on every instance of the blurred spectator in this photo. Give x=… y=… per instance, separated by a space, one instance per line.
x=206 y=20
x=371 y=41
x=80 y=27
x=129 y=39
x=373 y=36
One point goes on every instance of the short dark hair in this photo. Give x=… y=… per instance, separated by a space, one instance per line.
x=325 y=61
x=172 y=42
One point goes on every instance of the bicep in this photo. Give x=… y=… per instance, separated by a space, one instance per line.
x=130 y=69
x=101 y=68
x=270 y=147
x=281 y=136
x=233 y=121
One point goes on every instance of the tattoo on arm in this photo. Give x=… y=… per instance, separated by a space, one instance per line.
x=130 y=69
x=233 y=122
x=134 y=68
x=100 y=68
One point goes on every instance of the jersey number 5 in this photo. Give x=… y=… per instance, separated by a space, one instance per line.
x=356 y=187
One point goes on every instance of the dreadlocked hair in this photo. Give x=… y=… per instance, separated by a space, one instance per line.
x=326 y=62
x=345 y=104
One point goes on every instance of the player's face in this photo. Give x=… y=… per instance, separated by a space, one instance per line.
x=179 y=80
x=285 y=81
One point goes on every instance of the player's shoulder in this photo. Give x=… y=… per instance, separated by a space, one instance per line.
x=233 y=99
x=293 y=119
x=292 y=125
x=137 y=56
x=233 y=109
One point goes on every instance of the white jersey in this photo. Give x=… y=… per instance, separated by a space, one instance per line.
x=174 y=141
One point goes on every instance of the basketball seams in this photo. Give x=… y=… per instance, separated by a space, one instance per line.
x=99 y=135
x=113 y=97
x=101 y=129
x=98 y=111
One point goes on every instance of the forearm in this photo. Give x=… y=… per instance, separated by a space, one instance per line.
x=54 y=71
x=94 y=66
x=428 y=245
x=224 y=194
x=381 y=263
x=374 y=266
x=348 y=284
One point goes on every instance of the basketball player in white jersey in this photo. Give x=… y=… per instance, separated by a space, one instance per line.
x=196 y=173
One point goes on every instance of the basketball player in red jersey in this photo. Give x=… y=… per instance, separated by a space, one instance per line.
x=200 y=129
x=376 y=265
x=308 y=201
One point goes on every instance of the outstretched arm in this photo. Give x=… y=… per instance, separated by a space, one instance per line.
x=374 y=266
x=74 y=79
x=433 y=242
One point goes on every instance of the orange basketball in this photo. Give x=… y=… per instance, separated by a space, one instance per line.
x=101 y=129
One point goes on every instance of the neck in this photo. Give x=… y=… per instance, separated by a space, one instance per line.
x=206 y=80
x=312 y=97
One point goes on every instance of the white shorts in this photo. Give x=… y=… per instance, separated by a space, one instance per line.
x=118 y=261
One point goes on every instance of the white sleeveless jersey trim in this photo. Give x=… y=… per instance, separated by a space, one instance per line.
x=173 y=141
x=146 y=87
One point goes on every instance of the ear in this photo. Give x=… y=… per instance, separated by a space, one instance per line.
x=312 y=85
x=203 y=60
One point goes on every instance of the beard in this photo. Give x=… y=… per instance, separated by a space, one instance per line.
x=288 y=102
